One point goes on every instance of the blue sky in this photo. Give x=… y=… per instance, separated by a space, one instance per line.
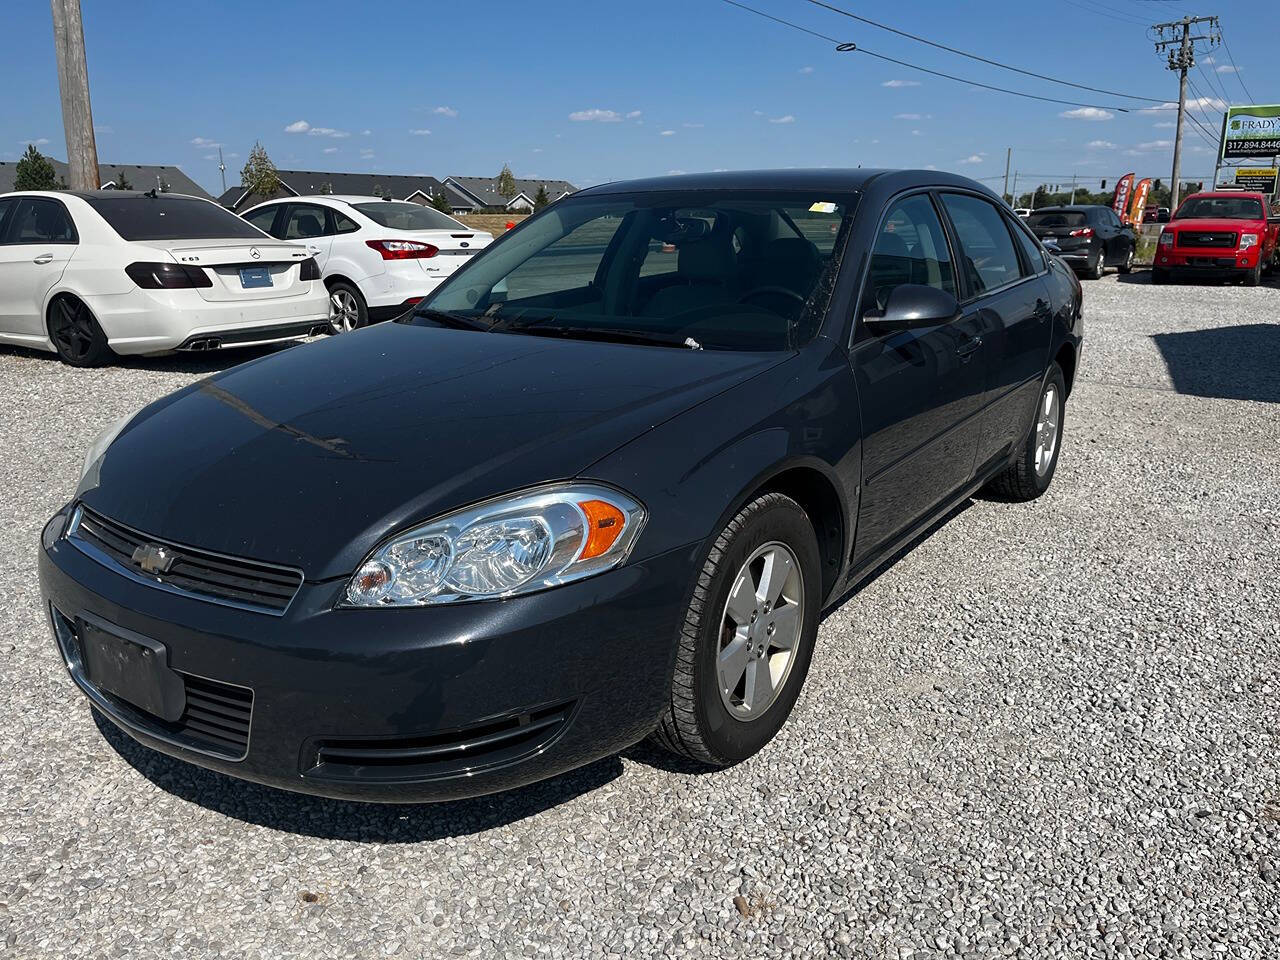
x=609 y=89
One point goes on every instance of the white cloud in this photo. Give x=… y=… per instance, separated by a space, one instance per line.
x=327 y=132
x=917 y=133
x=668 y=133
x=675 y=173
x=758 y=113
x=901 y=83
x=913 y=116
x=366 y=151
x=597 y=115
x=210 y=156
x=103 y=129
x=1166 y=124
x=1195 y=103
x=1100 y=145
x=421 y=132
x=1227 y=69
x=1207 y=60
x=788 y=118
x=974 y=158
x=330 y=149
x=1154 y=145
x=693 y=126
x=634 y=114
x=38 y=141
x=537 y=149
x=366 y=133
x=445 y=111
x=805 y=70
x=298 y=126
x=203 y=142
x=1087 y=113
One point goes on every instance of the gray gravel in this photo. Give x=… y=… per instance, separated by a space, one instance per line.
x=1049 y=731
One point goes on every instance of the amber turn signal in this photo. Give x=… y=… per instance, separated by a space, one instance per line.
x=604 y=526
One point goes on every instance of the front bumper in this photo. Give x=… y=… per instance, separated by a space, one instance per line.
x=395 y=705
x=1207 y=262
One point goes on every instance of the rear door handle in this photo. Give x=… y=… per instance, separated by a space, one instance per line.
x=968 y=348
x=44 y=258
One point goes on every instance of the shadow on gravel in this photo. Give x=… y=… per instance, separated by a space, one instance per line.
x=1234 y=363
x=1142 y=275
x=349 y=820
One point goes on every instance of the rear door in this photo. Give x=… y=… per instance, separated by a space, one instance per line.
x=39 y=239
x=919 y=390
x=1008 y=303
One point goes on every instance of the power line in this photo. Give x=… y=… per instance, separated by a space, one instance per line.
x=854 y=48
x=974 y=56
x=1239 y=80
x=1106 y=12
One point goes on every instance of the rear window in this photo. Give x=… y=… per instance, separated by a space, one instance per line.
x=1056 y=218
x=407 y=216
x=171 y=218
x=1221 y=208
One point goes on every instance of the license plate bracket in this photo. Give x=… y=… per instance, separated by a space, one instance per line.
x=251 y=277
x=133 y=668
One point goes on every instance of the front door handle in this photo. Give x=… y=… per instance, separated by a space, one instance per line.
x=967 y=349
x=44 y=258
x=1042 y=311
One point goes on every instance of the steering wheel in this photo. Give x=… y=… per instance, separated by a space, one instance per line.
x=772 y=291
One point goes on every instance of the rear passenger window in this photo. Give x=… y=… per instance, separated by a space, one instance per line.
x=1030 y=248
x=987 y=255
x=343 y=224
x=910 y=247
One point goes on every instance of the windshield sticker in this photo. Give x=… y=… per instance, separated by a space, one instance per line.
x=822 y=207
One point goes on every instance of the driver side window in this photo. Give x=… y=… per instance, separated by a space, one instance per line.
x=910 y=247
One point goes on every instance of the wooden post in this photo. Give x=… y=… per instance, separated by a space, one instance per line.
x=73 y=83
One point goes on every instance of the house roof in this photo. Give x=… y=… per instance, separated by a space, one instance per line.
x=313 y=182
x=140 y=176
x=485 y=189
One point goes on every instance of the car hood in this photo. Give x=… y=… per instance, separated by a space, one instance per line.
x=311 y=456
x=1212 y=225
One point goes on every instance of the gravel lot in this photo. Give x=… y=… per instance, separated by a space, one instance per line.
x=1048 y=731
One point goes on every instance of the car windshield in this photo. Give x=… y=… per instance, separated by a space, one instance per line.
x=142 y=217
x=701 y=269
x=1221 y=208
x=407 y=216
x=1056 y=218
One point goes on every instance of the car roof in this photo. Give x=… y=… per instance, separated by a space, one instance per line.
x=1071 y=207
x=125 y=195
x=828 y=179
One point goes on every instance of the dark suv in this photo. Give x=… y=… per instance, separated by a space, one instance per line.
x=1089 y=237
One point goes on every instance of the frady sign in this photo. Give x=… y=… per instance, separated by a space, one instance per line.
x=1252 y=131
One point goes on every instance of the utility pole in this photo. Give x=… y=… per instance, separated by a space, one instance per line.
x=222 y=169
x=1177 y=40
x=1013 y=197
x=1008 y=155
x=73 y=83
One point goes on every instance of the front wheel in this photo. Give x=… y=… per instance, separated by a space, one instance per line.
x=1096 y=267
x=1127 y=266
x=748 y=634
x=1159 y=276
x=1254 y=276
x=1031 y=473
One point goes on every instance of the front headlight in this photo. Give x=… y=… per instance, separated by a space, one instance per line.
x=1166 y=238
x=1248 y=240
x=100 y=443
x=510 y=545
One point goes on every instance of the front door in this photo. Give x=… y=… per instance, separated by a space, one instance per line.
x=919 y=390
x=38 y=241
x=308 y=224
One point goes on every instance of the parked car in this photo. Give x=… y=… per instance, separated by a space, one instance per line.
x=1090 y=237
x=508 y=534
x=379 y=256
x=94 y=274
x=1156 y=215
x=1217 y=235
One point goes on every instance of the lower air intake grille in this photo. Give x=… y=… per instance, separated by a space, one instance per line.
x=442 y=754
x=181 y=569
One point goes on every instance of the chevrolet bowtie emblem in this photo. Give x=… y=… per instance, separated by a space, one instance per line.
x=153 y=558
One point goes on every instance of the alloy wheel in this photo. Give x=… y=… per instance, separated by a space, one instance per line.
x=344 y=312
x=759 y=630
x=72 y=328
x=1047 y=420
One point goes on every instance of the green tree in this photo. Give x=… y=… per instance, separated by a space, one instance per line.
x=122 y=182
x=441 y=202
x=259 y=173
x=506 y=182
x=35 y=172
x=540 y=199
x=326 y=189
x=378 y=191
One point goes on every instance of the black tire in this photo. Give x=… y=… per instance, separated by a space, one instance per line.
x=1159 y=276
x=1127 y=266
x=1097 y=267
x=1021 y=481
x=346 y=296
x=76 y=334
x=1254 y=277
x=696 y=723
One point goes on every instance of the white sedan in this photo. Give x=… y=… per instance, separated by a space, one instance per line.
x=378 y=257
x=99 y=273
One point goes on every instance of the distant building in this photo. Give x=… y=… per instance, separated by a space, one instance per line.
x=480 y=194
x=299 y=183
x=119 y=176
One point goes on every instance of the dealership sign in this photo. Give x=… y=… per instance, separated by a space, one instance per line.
x=1262 y=179
x=1251 y=132
x=1120 y=200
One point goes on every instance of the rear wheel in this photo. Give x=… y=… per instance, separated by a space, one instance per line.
x=76 y=334
x=1030 y=475
x=347 y=309
x=747 y=639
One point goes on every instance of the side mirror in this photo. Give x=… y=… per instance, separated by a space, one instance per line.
x=912 y=306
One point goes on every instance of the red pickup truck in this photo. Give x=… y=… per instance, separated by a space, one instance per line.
x=1220 y=234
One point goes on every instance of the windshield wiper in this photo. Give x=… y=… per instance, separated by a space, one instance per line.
x=457 y=321
x=605 y=334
